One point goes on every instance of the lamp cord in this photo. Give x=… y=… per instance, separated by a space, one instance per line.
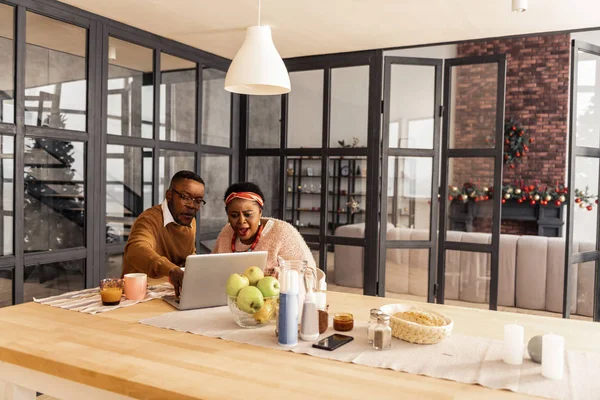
x=259 y=1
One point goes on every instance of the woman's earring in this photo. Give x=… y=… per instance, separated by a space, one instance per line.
x=259 y=222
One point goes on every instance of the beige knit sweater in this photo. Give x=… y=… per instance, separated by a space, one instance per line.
x=278 y=238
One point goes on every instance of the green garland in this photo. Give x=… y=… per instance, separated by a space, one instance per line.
x=521 y=193
x=516 y=142
x=585 y=199
x=534 y=194
x=470 y=191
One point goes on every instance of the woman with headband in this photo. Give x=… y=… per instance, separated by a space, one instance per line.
x=248 y=230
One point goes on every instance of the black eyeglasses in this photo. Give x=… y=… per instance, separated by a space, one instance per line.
x=189 y=201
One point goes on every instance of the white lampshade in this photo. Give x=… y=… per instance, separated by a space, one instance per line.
x=257 y=68
x=519 y=5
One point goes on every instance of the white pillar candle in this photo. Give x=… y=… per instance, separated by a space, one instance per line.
x=513 y=344
x=553 y=356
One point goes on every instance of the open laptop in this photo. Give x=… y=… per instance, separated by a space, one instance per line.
x=206 y=275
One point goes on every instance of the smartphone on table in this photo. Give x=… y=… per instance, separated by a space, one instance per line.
x=333 y=342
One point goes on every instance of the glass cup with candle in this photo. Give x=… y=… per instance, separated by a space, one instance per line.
x=111 y=290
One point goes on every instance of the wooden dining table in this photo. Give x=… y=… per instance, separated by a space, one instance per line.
x=72 y=355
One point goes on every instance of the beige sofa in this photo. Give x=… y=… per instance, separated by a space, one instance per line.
x=531 y=270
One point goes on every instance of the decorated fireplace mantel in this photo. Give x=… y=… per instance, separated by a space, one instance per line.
x=549 y=218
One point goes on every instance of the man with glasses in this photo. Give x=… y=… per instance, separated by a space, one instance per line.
x=163 y=236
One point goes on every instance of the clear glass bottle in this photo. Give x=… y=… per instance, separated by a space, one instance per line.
x=382 y=335
x=375 y=312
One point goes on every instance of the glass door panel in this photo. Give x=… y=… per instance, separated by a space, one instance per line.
x=472 y=150
x=411 y=126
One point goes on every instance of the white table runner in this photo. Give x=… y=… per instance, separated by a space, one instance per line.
x=89 y=300
x=473 y=360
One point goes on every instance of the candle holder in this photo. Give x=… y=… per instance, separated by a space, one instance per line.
x=513 y=344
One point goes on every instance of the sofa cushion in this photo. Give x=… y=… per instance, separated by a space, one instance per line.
x=452 y=273
x=555 y=275
x=475 y=270
x=507 y=270
x=585 y=283
x=418 y=265
x=397 y=263
x=532 y=258
x=348 y=260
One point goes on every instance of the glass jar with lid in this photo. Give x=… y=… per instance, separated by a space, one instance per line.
x=382 y=335
x=375 y=312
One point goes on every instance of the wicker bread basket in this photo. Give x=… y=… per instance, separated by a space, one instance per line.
x=413 y=332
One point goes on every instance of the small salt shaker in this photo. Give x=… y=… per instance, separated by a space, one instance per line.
x=382 y=335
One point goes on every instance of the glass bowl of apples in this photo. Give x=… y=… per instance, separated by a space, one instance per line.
x=252 y=298
x=255 y=315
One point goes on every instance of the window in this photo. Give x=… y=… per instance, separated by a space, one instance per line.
x=177 y=99
x=55 y=74
x=130 y=89
x=7 y=92
x=54 y=195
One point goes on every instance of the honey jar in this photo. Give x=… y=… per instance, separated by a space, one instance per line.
x=343 y=322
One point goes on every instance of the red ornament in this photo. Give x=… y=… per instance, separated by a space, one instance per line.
x=518 y=154
x=577 y=200
x=596 y=201
x=589 y=208
x=526 y=148
x=531 y=140
x=520 y=201
x=506 y=156
x=531 y=187
x=532 y=202
x=487 y=197
x=521 y=133
x=450 y=198
x=557 y=202
x=507 y=141
x=512 y=166
x=503 y=201
x=514 y=128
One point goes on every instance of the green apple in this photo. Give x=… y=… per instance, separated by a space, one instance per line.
x=250 y=299
x=235 y=283
x=269 y=286
x=254 y=274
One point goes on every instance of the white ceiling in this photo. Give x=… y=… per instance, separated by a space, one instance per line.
x=308 y=27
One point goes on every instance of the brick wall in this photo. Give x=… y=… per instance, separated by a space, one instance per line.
x=537 y=95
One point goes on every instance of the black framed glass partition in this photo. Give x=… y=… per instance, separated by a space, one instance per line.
x=321 y=136
x=582 y=255
x=93 y=116
x=472 y=156
x=409 y=207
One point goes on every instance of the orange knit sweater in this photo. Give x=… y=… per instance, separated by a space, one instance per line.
x=155 y=249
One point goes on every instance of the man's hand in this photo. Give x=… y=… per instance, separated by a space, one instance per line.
x=176 y=279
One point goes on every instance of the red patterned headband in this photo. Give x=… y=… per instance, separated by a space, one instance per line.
x=244 y=196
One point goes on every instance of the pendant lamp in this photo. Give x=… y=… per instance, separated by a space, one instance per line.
x=519 y=5
x=257 y=68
